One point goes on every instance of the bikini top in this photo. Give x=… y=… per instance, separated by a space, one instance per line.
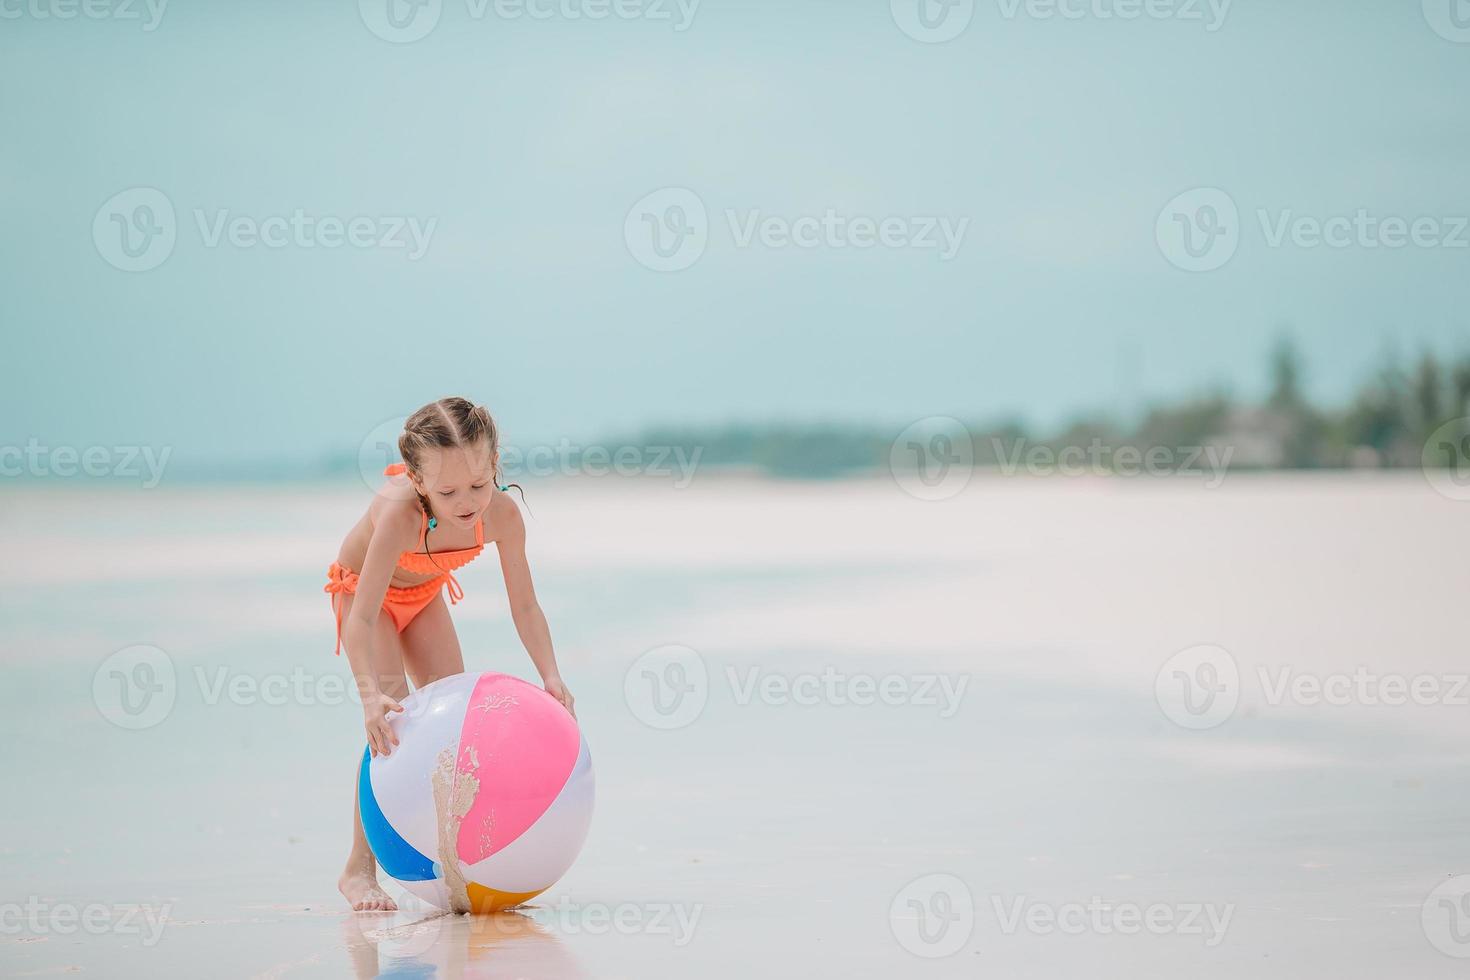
x=424 y=562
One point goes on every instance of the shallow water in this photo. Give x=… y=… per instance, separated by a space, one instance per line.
x=765 y=835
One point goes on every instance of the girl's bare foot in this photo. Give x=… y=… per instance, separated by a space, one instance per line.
x=361 y=889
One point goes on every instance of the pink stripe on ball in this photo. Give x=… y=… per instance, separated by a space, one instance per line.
x=520 y=744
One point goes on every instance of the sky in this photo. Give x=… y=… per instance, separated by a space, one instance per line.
x=536 y=157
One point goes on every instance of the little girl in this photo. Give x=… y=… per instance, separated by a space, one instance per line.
x=434 y=515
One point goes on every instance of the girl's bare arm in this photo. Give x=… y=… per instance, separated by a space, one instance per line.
x=394 y=531
x=525 y=611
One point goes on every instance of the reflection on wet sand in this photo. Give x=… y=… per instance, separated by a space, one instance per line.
x=417 y=941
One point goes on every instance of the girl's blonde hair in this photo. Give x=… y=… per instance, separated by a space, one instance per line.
x=449 y=423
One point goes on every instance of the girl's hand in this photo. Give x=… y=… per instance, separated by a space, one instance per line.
x=558 y=690
x=380 y=736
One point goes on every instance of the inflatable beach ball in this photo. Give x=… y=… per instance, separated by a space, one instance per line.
x=486 y=799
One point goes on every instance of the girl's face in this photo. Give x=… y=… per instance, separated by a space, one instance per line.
x=458 y=482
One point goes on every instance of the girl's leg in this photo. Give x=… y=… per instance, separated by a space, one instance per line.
x=430 y=645
x=359 y=881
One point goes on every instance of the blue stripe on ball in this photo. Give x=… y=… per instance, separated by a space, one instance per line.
x=396 y=856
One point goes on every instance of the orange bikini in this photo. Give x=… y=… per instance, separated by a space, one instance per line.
x=403 y=604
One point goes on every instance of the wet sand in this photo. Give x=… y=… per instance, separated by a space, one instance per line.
x=796 y=822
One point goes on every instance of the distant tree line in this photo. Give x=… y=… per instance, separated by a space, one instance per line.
x=1385 y=424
